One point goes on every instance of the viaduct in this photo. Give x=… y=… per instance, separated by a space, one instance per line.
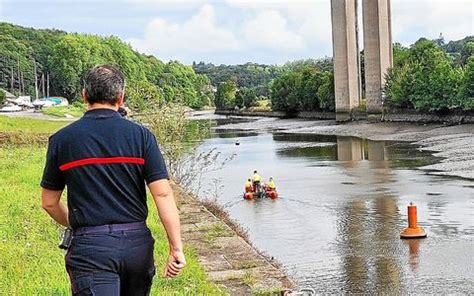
x=377 y=34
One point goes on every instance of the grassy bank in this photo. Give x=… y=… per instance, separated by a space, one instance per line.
x=62 y=111
x=29 y=125
x=30 y=261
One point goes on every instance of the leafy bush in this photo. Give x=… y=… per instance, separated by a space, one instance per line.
x=424 y=79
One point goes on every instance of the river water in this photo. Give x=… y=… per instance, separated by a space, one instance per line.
x=343 y=202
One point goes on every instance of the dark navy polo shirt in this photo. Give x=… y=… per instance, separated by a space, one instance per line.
x=104 y=160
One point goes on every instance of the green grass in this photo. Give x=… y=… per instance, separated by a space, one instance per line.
x=61 y=111
x=30 y=261
x=214 y=231
x=29 y=125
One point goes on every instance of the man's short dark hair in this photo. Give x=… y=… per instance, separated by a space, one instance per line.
x=104 y=84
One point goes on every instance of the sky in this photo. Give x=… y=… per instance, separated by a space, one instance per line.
x=232 y=31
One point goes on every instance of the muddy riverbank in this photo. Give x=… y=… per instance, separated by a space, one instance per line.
x=454 y=144
x=393 y=116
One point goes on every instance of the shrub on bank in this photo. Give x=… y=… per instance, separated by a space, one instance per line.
x=426 y=79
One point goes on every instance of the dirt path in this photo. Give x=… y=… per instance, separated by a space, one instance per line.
x=455 y=144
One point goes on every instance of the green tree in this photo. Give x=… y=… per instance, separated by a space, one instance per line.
x=142 y=95
x=466 y=52
x=285 y=92
x=72 y=57
x=67 y=57
x=466 y=91
x=225 y=95
x=326 y=92
x=400 y=54
x=249 y=75
x=303 y=88
x=311 y=81
x=425 y=81
x=245 y=97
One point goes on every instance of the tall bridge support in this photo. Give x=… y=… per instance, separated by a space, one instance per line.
x=378 y=55
x=345 y=57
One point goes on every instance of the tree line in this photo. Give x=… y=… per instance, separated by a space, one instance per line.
x=428 y=76
x=251 y=76
x=28 y=54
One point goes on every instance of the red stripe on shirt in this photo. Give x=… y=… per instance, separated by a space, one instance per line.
x=101 y=160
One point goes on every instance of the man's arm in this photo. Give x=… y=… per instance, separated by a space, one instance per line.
x=50 y=200
x=168 y=212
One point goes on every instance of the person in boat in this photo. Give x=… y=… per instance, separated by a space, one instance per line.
x=256 y=179
x=271 y=184
x=248 y=186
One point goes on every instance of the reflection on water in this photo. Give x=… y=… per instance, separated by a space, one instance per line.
x=343 y=203
x=349 y=150
x=413 y=247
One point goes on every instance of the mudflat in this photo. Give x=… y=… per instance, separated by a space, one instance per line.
x=454 y=144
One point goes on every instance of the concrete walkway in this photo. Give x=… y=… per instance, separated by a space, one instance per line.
x=227 y=258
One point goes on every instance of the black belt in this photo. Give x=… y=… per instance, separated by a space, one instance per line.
x=109 y=228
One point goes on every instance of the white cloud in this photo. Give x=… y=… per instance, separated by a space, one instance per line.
x=423 y=18
x=269 y=30
x=202 y=35
x=310 y=20
x=279 y=30
x=167 y=5
x=199 y=34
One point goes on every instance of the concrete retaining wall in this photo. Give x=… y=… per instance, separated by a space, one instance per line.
x=227 y=258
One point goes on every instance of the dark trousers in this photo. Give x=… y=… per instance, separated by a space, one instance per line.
x=111 y=263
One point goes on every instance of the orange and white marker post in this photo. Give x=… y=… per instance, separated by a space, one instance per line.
x=413 y=230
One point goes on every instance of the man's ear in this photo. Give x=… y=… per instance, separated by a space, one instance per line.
x=120 y=100
x=84 y=96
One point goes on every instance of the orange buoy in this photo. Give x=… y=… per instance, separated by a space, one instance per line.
x=413 y=230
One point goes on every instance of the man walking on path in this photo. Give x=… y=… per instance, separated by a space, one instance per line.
x=105 y=161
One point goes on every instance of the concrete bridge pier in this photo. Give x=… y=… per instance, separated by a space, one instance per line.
x=378 y=57
x=345 y=57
